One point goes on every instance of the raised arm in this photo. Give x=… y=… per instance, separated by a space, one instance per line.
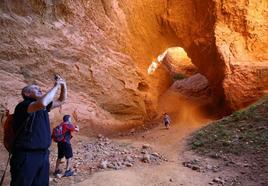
x=63 y=95
x=43 y=101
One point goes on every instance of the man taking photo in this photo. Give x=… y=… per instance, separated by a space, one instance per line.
x=29 y=164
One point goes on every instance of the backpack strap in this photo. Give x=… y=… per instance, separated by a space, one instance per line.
x=24 y=125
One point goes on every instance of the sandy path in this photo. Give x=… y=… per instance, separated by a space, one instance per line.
x=167 y=142
x=170 y=143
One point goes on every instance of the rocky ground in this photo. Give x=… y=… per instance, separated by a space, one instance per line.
x=249 y=171
x=93 y=155
x=155 y=157
x=187 y=154
x=102 y=154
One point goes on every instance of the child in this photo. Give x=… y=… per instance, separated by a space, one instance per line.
x=64 y=146
x=166 y=120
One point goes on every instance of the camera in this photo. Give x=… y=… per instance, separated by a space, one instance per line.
x=56 y=77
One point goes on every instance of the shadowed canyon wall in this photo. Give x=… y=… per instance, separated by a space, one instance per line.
x=103 y=49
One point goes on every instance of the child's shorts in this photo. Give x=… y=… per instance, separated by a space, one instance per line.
x=65 y=150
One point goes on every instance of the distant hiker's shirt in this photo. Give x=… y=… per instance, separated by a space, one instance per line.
x=166 y=119
x=36 y=134
x=67 y=129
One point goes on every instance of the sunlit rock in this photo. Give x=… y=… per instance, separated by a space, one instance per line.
x=104 y=48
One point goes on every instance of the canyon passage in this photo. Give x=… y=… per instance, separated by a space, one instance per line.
x=126 y=62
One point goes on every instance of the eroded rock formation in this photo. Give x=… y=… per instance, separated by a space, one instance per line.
x=227 y=41
x=103 y=48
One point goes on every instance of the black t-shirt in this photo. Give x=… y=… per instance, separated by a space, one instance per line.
x=35 y=134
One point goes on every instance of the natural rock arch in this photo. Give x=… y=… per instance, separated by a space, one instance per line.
x=103 y=49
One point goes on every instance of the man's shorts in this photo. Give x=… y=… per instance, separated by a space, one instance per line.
x=65 y=150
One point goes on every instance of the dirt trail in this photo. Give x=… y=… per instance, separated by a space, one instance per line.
x=186 y=118
x=169 y=143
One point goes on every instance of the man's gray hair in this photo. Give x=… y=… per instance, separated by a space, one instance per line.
x=26 y=89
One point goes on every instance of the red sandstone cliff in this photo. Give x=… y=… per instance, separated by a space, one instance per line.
x=103 y=49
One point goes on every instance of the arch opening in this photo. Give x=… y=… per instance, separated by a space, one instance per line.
x=184 y=75
x=176 y=61
x=188 y=97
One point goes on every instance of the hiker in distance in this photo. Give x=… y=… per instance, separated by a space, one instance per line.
x=29 y=164
x=166 y=120
x=62 y=136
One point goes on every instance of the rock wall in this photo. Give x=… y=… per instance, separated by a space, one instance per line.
x=241 y=39
x=103 y=49
x=227 y=41
x=79 y=40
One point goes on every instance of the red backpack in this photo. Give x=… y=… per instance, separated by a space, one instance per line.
x=58 y=133
x=9 y=139
x=9 y=134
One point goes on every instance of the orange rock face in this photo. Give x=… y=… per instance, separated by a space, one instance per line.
x=227 y=41
x=241 y=40
x=104 y=49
